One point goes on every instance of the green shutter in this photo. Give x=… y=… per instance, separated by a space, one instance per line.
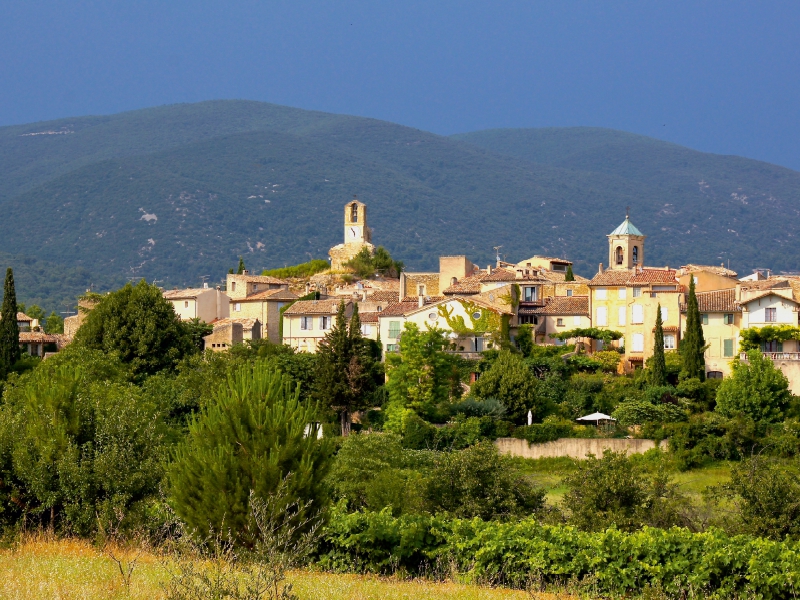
x=394 y=329
x=727 y=348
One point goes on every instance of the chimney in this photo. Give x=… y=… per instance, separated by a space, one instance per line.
x=205 y=285
x=364 y=296
x=421 y=301
x=245 y=272
x=600 y=268
x=489 y=270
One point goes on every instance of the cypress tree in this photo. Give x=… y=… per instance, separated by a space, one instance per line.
x=569 y=276
x=240 y=270
x=658 y=364
x=693 y=345
x=9 y=329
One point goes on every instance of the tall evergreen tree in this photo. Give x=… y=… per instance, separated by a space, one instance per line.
x=658 y=364
x=9 y=329
x=569 y=276
x=693 y=345
x=241 y=268
x=345 y=368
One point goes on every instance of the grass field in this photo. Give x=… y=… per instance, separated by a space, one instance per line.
x=39 y=569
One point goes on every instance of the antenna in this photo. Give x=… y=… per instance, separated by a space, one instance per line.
x=627 y=212
x=155 y=281
x=203 y=278
x=497 y=252
x=68 y=312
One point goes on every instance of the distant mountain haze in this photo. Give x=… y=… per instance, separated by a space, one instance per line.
x=177 y=192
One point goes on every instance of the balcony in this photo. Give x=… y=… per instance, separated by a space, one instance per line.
x=773 y=356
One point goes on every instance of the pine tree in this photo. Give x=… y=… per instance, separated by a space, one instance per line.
x=569 y=276
x=345 y=368
x=9 y=328
x=693 y=345
x=240 y=270
x=250 y=439
x=658 y=363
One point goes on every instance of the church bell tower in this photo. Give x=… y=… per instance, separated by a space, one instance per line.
x=625 y=246
x=355 y=223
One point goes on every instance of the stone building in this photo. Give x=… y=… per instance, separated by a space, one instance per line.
x=205 y=303
x=259 y=297
x=357 y=235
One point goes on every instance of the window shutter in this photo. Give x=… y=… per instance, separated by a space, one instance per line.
x=727 y=348
x=637 y=315
x=621 y=316
x=602 y=316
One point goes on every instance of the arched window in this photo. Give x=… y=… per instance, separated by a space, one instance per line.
x=354 y=213
x=453 y=280
x=636 y=255
x=620 y=255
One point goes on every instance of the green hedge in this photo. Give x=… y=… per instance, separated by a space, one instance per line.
x=548 y=432
x=681 y=563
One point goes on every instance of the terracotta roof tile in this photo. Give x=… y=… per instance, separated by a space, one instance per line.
x=500 y=275
x=384 y=296
x=723 y=301
x=765 y=294
x=398 y=309
x=184 y=294
x=313 y=307
x=279 y=294
x=564 y=305
x=707 y=269
x=611 y=277
x=369 y=317
x=415 y=299
x=36 y=337
x=23 y=317
x=261 y=279
x=654 y=276
x=247 y=323
x=467 y=285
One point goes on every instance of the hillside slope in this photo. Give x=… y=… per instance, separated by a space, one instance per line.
x=177 y=192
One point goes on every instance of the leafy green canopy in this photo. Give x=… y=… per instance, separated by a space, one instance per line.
x=753 y=337
x=306 y=269
x=253 y=434
x=594 y=333
x=140 y=326
x=9 y=329
x=366 y=264
x=510 y=381
x=757 y=389
x=78 y=445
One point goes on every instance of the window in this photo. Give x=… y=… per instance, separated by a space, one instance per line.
x=637 y=292
x=558 y=267
x=637 y=314
x=704 y=319
x=770 y=315
x=621 y=315
x=394 y=329
x=354 y=213
x=772 y=346
x=621 y=293
x=727 y=348
x=453 y=280
x=696 y=280
x=728 y=319
x=380 y=308
x=601 y=294
x=576 y=321
x=602 y=316
x=366 y=329
x=714 y=375
x=620 y=255
x=638 y=343
x=255 y=287
x=432 y=316
x=636 y=255
x=669 y=342
x=569 y=293
x=559 y=322
x=530 y=294
x=664 y=314
x=306 y=323
x=476 y=316
x=186 y=304
x=237 y=307
x=392 y=347
x=324 y=323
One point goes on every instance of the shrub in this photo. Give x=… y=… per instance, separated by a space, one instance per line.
x=510 y=381
x=479 y=482
x=756 y=389
x=250 y=437
x=476 y=407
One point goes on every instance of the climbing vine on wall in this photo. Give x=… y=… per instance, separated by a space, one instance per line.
x=487 y=321
x=752 y=337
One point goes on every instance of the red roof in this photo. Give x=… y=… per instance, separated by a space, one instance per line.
x=564 y=305
x=634 y=277
x=722 y=301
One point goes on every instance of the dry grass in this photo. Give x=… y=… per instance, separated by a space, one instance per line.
x=41 y=568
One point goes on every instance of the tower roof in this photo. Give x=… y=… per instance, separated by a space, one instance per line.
x=626 y=228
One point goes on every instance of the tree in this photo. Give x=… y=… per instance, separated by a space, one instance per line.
x=34 y=311
x=54 y=324
x=756 y=389
x=479 y=482
x=9 y=328
x=510 y=381
x=693 y=345
x=140 y=326
x=421 y=374
x=366 y=264
x=197 y=331
x=524 y=340
x=253 y=436
x=241 y=268
x=658 y=363
x=345 y=368
x=569 y=276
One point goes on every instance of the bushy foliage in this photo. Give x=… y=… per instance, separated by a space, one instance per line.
x=612 y=491
x=306 y=269
x=366 y=264
x=638 y=412
x=478 y=407
x=524 y=340
x=79 y=445
x=140 y=326
x=251 y=436
x=510 y=381
x=756 y=389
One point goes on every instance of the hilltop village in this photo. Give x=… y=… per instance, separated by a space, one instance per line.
x=479 y=306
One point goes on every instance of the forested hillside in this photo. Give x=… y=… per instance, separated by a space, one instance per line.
x=176 y=192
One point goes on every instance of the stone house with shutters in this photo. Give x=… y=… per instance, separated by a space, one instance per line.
x=207 y=304
x=559 y=314
x=259 y=297
x=306 y=322
x=721 y=318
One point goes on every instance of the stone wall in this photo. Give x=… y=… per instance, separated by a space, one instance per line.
x=576 y=448
x=410 y=282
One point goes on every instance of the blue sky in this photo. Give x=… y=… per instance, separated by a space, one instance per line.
x=717 y=76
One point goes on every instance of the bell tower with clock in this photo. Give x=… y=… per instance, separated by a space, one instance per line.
x=357 y=235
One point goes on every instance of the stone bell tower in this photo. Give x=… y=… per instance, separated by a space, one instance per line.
x=357 y=235
x=625 y=246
